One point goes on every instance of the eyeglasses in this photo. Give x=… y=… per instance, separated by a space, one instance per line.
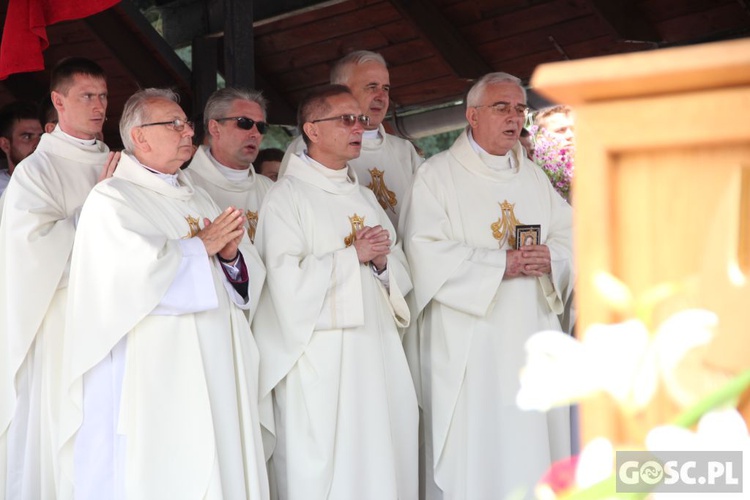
x=177 y=125
x=504 y=108
x=348 y=120
x=246 y=123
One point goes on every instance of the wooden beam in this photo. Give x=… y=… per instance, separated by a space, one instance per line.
x=132 y=39
x=625 y=20
x=239 y=46
x=447 y=40
x=205 y=65
x=280 y=111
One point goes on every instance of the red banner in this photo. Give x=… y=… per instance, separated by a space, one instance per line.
x=25 y=34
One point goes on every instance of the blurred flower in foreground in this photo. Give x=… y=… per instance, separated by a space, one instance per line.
x=623 y=360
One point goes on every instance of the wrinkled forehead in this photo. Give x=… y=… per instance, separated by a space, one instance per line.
x=504 y=91
x=163 y=109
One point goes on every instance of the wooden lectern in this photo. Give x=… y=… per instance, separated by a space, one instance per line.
x=662 y=194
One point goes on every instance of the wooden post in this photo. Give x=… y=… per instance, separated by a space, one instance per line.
x=662 y=194
x=239 y=51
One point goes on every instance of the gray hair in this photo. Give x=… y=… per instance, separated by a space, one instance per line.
x=134 y=113
x=476 y=93
x=342 y=70
x=220 y=101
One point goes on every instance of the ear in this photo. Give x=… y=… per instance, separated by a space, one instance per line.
x=139 y=139
x=213 y=128
x=49 y=127
x=57 y=100
x=312 y=131
x=5 y=145
x=472 y=116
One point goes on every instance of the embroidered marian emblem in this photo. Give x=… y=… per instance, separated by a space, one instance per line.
x=193 y=225
x=386 y=197
x=358 y=223
x=252 y=223
x=505 y=228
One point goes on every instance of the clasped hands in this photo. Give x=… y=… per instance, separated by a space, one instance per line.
x=224 y=234
x=373 y=244
x=530 y=260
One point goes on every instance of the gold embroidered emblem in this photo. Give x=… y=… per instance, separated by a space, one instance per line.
x=252 y=223
x=386 y=197
x=358 y=223
x=505 y=228
x=193 y=225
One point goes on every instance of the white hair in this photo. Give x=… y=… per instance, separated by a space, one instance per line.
x=476 y=93
x=342 y=70
x=134 y=113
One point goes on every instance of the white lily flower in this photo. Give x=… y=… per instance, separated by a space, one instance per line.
x=718 y=430
x=623 y=360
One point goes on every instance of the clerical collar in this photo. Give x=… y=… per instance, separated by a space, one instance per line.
x=75 y=140
x=335 y=176
x=371 y=135
x=230 y=174
x=495 y=162
x=170 y=179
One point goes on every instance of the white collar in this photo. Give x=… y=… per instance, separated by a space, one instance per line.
x=495 y=162
x=230 y=174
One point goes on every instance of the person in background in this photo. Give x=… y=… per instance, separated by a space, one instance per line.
x=20 y=132
x=234 y=121
x=268 y=162
x=387 y=163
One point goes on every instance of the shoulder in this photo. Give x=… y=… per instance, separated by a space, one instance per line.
x=437 y=167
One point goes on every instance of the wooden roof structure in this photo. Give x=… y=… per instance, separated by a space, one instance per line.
x=434 y=48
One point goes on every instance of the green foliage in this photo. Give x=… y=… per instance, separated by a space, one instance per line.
x=434 y=144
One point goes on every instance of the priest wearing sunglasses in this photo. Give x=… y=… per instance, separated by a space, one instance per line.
x=327 y=323
x=386 y=163
x=234 y=120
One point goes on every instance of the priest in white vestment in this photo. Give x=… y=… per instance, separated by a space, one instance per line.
x=327 y=324
x=161 y=368
x=234 y=121
x=481 y=299
x=41 y=209
x=20 y=132
x=386 y=163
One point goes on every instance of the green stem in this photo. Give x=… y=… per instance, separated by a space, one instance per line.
x=724 y=395
x=728 y=393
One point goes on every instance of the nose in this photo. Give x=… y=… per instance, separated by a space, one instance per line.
x=100 y=103
x=188 y=132
x=358 y=127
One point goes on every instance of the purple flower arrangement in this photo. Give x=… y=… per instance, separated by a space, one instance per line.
x=557 y=162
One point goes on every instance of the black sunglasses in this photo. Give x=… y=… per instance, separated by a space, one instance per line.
x=246 y=123
x=348 y=120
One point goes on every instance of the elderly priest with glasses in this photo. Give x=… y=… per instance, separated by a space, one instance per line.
x=161 y=367
x=234 y=121
x=327 y=324
x=483 y=294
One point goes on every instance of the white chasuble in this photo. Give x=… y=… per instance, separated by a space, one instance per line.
x=187 y=417
x=247 y=194
x=458 y=226
x=386 y=164
x=41 y=207
x=327 y=330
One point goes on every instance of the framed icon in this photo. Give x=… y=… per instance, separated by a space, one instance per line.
x=529 y=234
